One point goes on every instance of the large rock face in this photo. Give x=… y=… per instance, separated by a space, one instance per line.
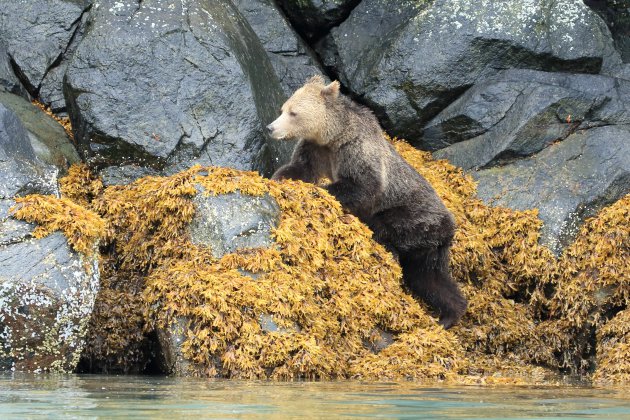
x=36 y=35
x=411 y=61
x=167 y=87
x=567 y=182
x=552 y=141
x=46 y=290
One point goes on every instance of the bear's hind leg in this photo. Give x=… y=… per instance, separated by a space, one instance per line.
x=425 y=271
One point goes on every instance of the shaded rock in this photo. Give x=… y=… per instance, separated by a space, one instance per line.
x=315 y=18
x=167 y=87
x=517 y=113
x=47 y=137
x=567 y=182
x=51 y=90
x=616 y=14
x=409 y=61
x=36 y=35
x=292 y=59
x=268 y=324
x=125 y=174
x=171 y=358
x=21 y=172
x=8 y=80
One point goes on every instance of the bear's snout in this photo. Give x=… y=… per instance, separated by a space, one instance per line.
x=275 y=131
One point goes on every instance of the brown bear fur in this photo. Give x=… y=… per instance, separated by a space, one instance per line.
x=344 y=142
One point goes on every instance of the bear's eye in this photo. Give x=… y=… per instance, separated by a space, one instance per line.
x=293 y=114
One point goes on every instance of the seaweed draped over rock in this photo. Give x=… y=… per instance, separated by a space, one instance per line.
x=334 y=294
x=330 y=289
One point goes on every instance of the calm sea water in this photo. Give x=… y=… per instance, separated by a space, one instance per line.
x=95 y=396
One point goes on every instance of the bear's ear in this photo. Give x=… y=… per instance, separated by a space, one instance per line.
x=316 y=80
x=331 y=91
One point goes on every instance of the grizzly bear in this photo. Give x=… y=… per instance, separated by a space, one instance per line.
x=343 y=141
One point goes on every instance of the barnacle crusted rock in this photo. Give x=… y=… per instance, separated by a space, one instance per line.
x=48 y=283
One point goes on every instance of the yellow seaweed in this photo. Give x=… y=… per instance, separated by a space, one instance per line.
x=333 y=292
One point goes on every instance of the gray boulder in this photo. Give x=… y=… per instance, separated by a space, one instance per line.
x=46 y=290
x=568 y=181
x=408 y=60
x=168 y=86
x=292 y=59
x=228 y=222
x=36 y=35
x=224 y=223
x=517 y=113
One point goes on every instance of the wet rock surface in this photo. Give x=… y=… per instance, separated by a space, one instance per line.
x=202 y=89
x=36 y=35
x=520 y=112
x=46 y=290
x=421 y=56
x=567 y=182
x=228 y=222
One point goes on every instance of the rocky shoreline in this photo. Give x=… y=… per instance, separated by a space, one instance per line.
x=530 y=99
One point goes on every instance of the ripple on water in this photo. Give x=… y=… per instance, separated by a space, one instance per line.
x=97 y=396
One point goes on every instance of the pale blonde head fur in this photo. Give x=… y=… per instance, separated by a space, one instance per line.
x=305 y=115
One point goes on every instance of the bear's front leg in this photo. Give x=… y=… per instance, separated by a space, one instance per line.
x=354 y=197
x=289 y=171
x=306 y=164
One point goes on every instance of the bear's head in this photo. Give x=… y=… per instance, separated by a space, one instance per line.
x=306 y=114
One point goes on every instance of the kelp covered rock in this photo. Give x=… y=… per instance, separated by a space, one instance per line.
x=48 y=283
x=317 y=298
x=593 y=296
x=327 y=287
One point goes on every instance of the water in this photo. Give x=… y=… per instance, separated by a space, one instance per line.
x=94 y=396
